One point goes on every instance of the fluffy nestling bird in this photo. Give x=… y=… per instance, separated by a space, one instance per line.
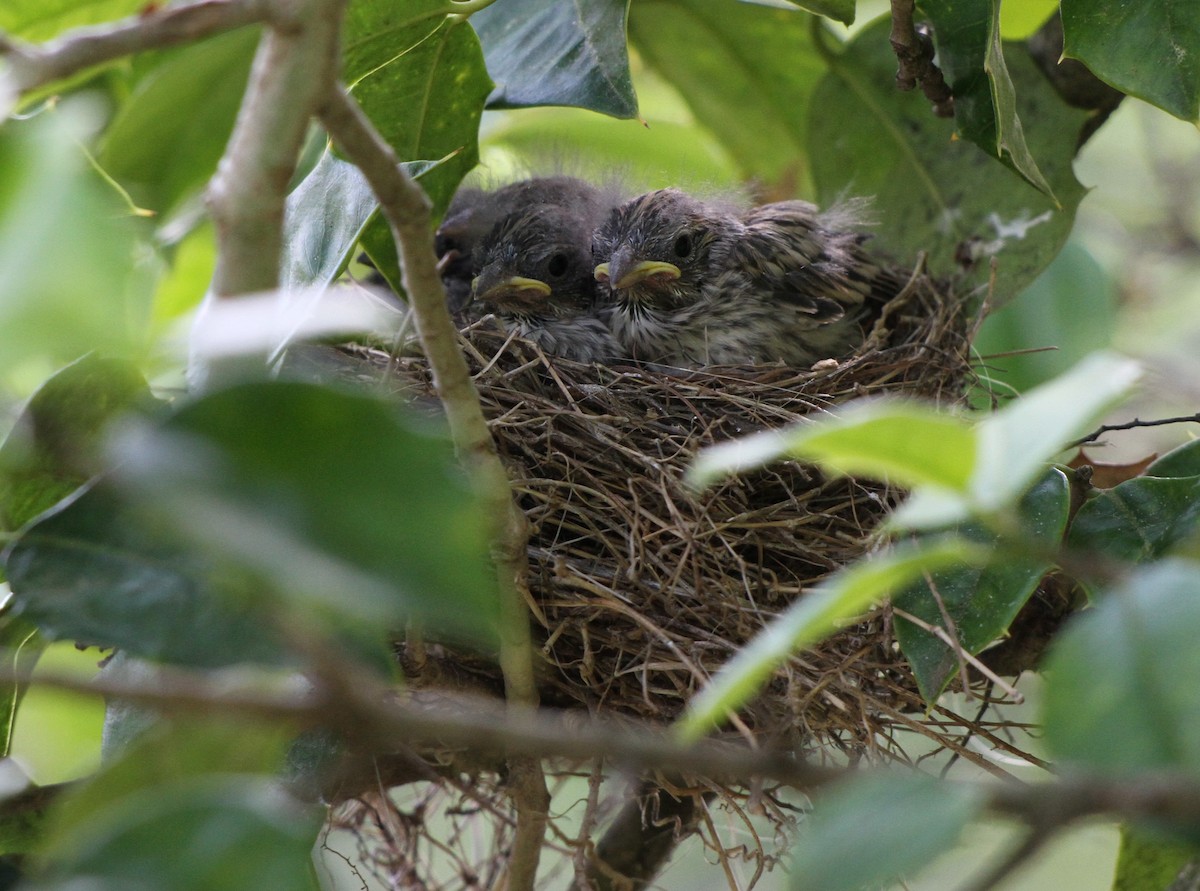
x=695 y=283
x=537 y=273
x=473 y=213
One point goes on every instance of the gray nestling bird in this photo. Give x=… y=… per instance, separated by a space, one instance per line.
x=538 y=275
x=474 y=212
x=695 y=283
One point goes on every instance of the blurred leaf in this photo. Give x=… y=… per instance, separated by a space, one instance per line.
x=23 y=646
x=1071 y=306
x=355 y=512
x=935 y=194
x=67 y=270
x=54 y=447
x=434 y=62
x=906 y=442
x=1121 y=680
x=166 y=139
x=1017 y=441
x=97 y=571
x=839 y=10
x=181 y=289
x=208 y=833
x=38 y=20
x=970 y=54
x=1143 y=518
x=1020 y=20
x=24 y=808
x=747 y=72
x=558 y=52
x=981 y=602
x=1148 y=862
x=874 y=828
x=1148 y=50
x=818 y=613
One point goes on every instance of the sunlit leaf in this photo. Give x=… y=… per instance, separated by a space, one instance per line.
x=906 y=442
x=1121 y=681
x=37 y=20
x=747 y=72
x=975 y=605
x=838 y=10
x=933 y=193
x=844 y=596
x=874 y=828
x=1148 y=50
x=558 y=52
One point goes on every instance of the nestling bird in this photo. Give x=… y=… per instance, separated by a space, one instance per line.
x=694 y=283
x=473 y=213
x=537 y=272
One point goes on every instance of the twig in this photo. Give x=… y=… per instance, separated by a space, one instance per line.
x=32 y=67
x=1033 y=842
x=914 y=51
x=1136 y=422
x=964 y=658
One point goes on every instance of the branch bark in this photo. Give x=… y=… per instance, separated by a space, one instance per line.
x=914 y=51
x=31 y=67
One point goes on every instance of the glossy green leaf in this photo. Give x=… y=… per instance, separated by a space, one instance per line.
x=1121 y=681
x=838 y=10
x=933 y=193
x=906 y=442
x=165 y=141
x=876 y=827
x=970 y=54
x=67 y=255
x=558 y=52
x=353 y=511
x=1019 y=440
x=844 y=596
x=54 y=447
x=1070 y=310
x=1143 y=518
x=747 y=71
x=208 y=833
x=421 y=78
x=975 y=605
x=38 y=20
x=98 y=571
x=1148 y=50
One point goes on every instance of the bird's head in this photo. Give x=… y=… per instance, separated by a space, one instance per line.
x=538 y=263
x=654 y=250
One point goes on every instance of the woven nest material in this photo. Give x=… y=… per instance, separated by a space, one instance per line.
x=641 y=589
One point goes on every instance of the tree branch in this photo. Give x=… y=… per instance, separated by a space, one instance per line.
x=31 y=67
x=914 y=51
x=1136 y=422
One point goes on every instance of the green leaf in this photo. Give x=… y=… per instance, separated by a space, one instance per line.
x=1148 y=50
x=67 y=256
x=971 y=56
x=166 y=139
x=1070 y=310
x=413 y=50
x=906 y=442
x=747 y=71
x=1016 y=442
x=39 y=20
x=975 y=605
x=874 y=828
x=24 y=646
x=838 y=10
x=558 y=52
x=1148 y=863
x=54 y=447
x=208 y=833
x=843 y=596
x=1143 y=518
x=935 y=194
x=1121 y=681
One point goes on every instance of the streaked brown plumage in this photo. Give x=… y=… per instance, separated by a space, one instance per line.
x=694 y=283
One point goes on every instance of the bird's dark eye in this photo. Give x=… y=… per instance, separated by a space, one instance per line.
x=557 y=265
x=683 y=245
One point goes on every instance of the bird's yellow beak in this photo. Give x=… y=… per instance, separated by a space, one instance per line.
x=646 y=269
x=516 y=288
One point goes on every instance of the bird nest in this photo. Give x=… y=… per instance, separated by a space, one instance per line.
x=641 y=589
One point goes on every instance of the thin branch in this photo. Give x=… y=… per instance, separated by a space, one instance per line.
x=914 y=51
x=1033 y=842
x=35 y=66
x=1136 y=422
